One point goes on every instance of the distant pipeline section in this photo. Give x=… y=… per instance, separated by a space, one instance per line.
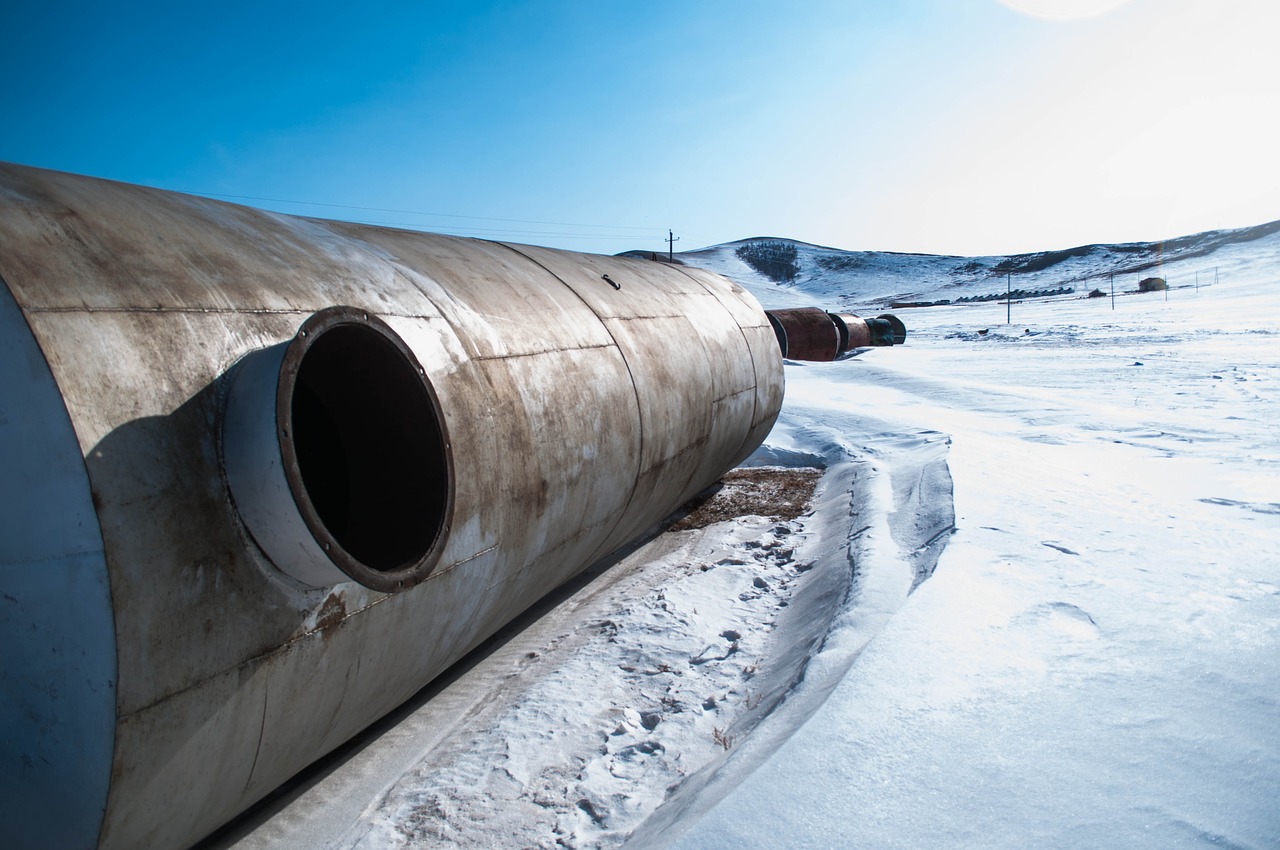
x=810 y=333
x=267 y=476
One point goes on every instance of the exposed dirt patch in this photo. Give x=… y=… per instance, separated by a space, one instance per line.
x=782 y=493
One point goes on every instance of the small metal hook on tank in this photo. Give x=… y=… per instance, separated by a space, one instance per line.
x=611 y=281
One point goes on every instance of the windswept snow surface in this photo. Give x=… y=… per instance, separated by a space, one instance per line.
x=1096 y=660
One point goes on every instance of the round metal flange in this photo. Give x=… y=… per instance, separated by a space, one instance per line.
x=355 y=478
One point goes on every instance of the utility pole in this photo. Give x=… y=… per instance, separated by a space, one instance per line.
x=672 y=239
x=1113 y=292
x=1008 y=298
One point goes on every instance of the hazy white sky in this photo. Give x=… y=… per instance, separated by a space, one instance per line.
x=957 y=126
x=1156 y=119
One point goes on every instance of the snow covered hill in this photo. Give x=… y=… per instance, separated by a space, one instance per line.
x=787 y=273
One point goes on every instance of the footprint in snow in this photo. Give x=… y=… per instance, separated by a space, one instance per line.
x=1062 y=617
x=703 y=657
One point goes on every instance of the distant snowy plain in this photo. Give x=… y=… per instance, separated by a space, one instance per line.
x=1036 y=604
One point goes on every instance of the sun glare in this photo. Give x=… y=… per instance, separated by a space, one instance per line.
x=1063 y=10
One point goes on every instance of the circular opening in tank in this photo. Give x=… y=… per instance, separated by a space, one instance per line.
x=365 y=448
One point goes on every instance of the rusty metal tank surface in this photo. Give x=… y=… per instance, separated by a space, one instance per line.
x=266 y=476
x=805 y=333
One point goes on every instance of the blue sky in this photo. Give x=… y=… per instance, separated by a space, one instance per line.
x=950 y=126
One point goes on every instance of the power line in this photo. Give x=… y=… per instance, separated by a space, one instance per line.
x=419 y=212
x=479 y=230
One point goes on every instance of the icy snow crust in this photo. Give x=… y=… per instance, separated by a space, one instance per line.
x=1096 y=661
x=645 y=690
x=1093 y=663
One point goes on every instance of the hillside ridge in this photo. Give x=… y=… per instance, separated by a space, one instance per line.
x=789 y=272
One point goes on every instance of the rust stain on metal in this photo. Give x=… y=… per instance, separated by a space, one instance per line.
x=806 y=333
x=332 y=612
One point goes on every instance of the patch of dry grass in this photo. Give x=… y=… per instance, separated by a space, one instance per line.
x=768 y=491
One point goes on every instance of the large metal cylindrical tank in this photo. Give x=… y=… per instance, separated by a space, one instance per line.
x=266 y=476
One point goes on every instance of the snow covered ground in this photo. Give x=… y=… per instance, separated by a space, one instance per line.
x=1094 y=662
x=620 y=702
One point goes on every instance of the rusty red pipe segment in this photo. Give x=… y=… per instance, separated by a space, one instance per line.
x=805 y=333
x=809 y=333
x=854 y=332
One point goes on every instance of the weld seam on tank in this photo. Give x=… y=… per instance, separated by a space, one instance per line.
x=195 y=311
x=751 y=389
x=251 y=661
x=490 y=357
x=755 y=373
x=635 y=390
